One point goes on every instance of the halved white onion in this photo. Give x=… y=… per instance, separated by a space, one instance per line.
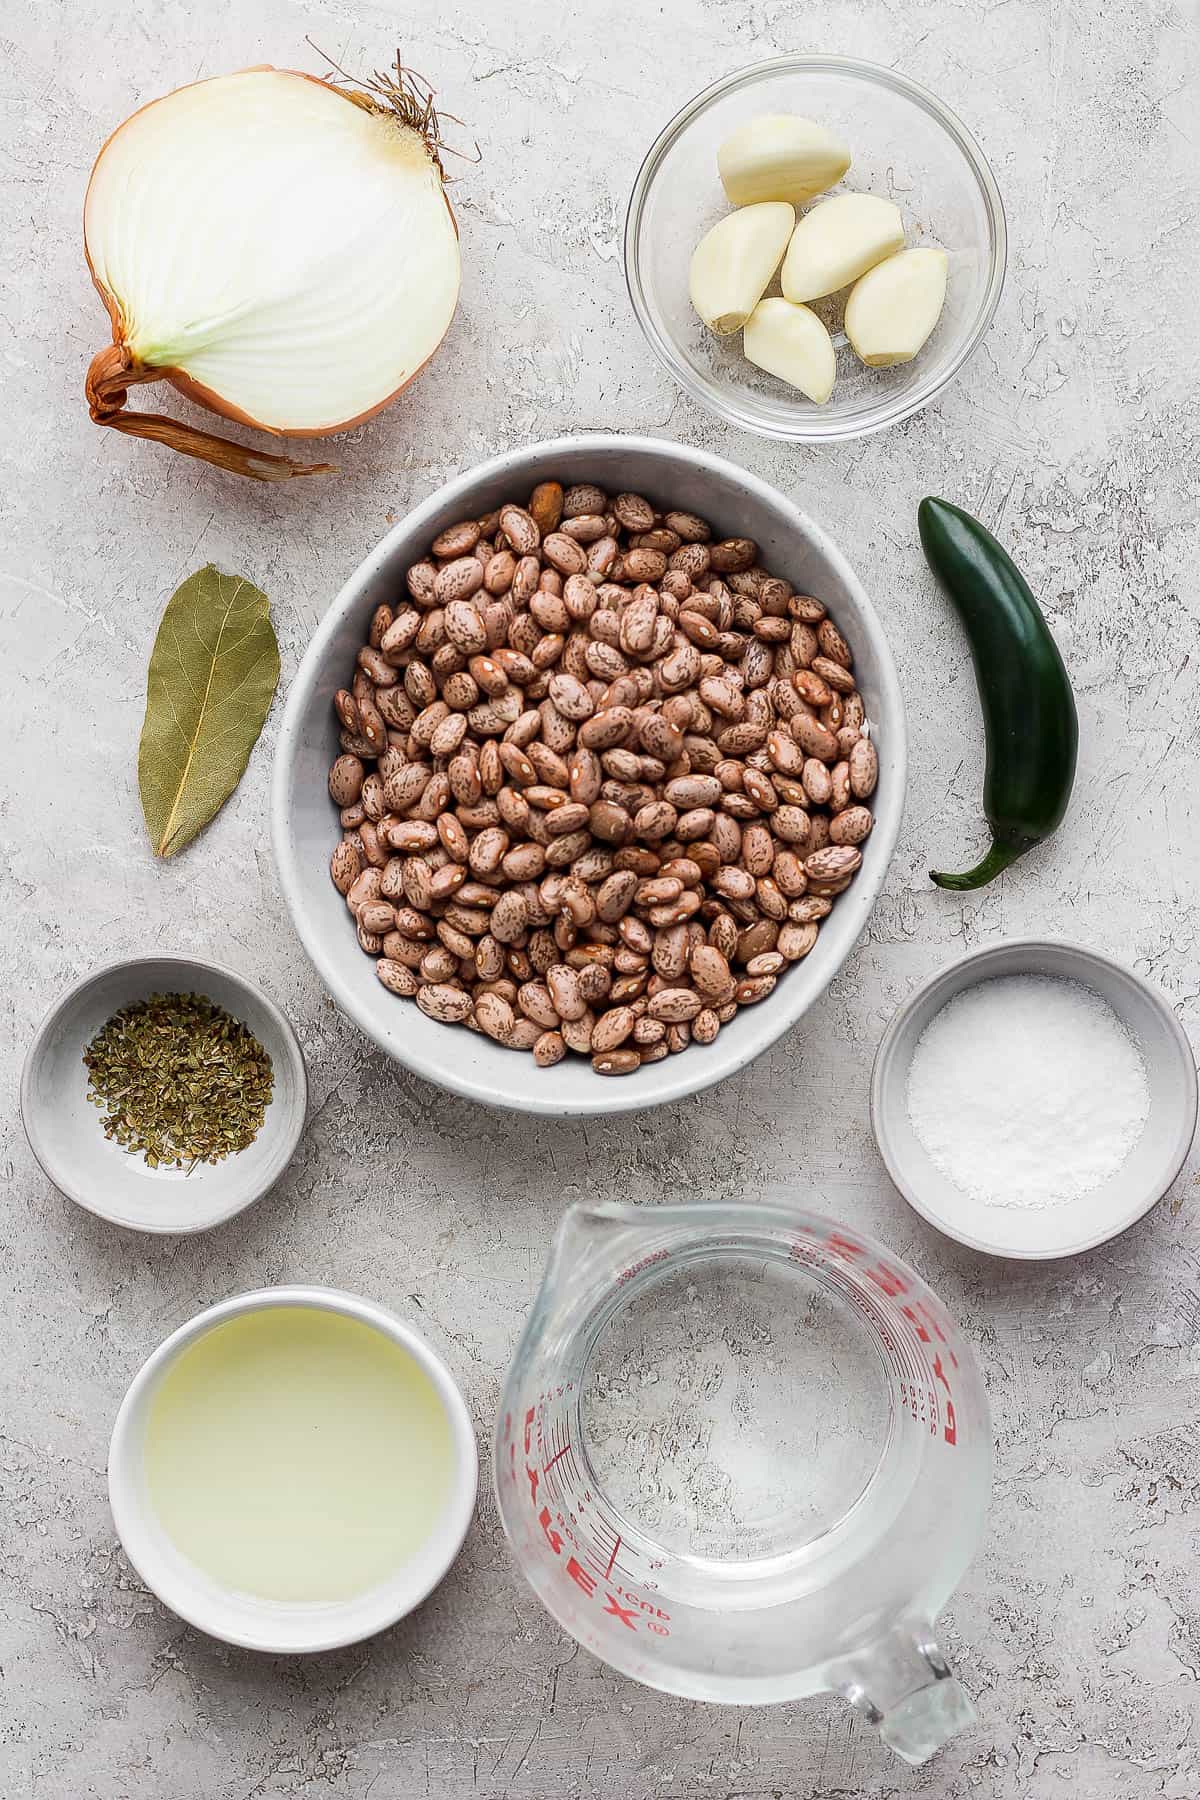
x=280 y=249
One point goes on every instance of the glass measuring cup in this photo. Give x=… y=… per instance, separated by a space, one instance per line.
x=743 y=1454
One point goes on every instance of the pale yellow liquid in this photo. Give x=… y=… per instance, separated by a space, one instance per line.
x=297 y=1454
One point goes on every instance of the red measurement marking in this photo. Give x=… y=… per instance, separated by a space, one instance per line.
x=626 y=1614
x=612 y=1559
x=656 y=1256
x=557 y=1457
x=580 y=1576
x=909 y=1360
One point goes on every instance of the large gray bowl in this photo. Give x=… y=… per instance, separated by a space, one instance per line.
x=304 y=824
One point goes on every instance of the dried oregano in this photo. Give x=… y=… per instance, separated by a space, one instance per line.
x=179 y=1079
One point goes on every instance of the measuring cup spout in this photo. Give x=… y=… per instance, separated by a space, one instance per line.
x=590 y=1245
x=601 y=1245
x=607 y=1237
x=905 y=1686
x=587 y=1234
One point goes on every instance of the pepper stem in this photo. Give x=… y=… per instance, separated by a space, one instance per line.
x=998 y=858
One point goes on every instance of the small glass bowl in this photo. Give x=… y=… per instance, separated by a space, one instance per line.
x=906 y=146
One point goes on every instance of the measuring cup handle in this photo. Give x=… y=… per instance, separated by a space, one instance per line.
x=905 y=1686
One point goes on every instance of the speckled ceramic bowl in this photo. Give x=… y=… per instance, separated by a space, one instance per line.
x=1073 y=1225
x=65 y=1131
x=305 y=828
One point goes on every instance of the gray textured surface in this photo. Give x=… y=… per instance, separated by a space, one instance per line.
x=1076 y=434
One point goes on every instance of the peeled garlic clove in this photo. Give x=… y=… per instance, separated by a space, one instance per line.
x=732 y=263
x=791 y=342
x=838 y=241
x=779 y=156
x=894 y=307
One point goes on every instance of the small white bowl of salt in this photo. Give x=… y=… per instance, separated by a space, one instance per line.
x=1034 y=1099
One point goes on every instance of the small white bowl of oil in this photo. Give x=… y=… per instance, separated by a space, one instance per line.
x=293 y=1470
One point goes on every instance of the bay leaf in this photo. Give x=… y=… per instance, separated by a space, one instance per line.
x=213 y=673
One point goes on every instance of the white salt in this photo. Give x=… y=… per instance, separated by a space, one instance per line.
x=1027 y=1091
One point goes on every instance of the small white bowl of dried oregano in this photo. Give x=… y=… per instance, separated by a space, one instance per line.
x=164 y=1094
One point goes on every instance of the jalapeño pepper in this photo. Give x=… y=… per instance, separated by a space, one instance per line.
x=1028 y=707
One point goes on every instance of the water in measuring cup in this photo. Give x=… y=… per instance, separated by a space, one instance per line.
x=733 y=1408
